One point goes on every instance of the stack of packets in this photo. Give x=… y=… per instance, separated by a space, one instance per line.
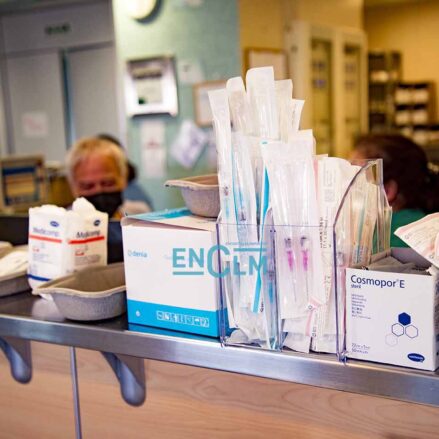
x=423 y=237
x=269 y=173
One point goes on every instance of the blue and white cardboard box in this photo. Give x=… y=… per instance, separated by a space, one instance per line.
x=170 y=260
x=393 y=317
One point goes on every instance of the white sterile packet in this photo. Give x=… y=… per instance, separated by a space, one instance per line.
x=284 y=91
x=262 y=98
x=306 y=216
x=240 y=112
x=334 y=177
x=219 y=105
x=282 y=201
x=243 y=186
x=298 y=259
x=261 y=92
x=258 y=170
x=62 y=241
x=238 y=206
x=297 y=107
x=423 y=237
x=364 y=201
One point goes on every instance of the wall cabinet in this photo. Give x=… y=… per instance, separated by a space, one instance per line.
x=59 y=78
x=328 y=68
x=36 y=103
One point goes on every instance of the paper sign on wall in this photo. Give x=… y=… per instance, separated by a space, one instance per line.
x=35 y=125
x=152 y=138
x=189 y=71
x=189 y=144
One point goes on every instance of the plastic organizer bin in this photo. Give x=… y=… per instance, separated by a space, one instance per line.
x=273 y=293
x=247 y=278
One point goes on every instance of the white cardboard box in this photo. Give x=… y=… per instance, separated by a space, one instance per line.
x=169 y=258
x=393 y=317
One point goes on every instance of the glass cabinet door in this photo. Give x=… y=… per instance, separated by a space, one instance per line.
x=37 y=105
x=321 y=59
x=352 y=92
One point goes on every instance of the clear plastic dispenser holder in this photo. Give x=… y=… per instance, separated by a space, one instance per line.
x=366 y=209
x=286 y=288
x=249 y=303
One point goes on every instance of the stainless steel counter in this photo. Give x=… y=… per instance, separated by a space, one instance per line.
x=27 y=317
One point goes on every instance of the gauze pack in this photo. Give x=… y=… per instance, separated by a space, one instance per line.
x=62 y=241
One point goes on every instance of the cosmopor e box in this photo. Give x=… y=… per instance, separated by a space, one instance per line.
x=393 y=317
x=170 y=260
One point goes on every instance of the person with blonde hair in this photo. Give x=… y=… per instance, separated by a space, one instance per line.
x=133 y=191
x=97 y=170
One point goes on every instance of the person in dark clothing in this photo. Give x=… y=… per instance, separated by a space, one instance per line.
x=412 y=187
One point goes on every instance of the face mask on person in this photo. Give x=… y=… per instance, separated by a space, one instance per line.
x=107 y=202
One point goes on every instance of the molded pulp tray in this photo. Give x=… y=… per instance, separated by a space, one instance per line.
x=95 y=293
x=200 y=193
x=12 y=283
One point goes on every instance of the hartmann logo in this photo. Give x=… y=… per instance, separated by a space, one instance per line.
x=416 y=357
x=358 y=281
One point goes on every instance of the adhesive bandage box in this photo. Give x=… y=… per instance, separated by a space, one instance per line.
x=393 y=317
x=171 y=279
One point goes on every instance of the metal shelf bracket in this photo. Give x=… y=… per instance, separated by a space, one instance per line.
x=18 y=353
x=130 y=372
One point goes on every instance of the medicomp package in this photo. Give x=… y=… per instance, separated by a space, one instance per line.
x=63 y=241
x=170 y=270
x=393 y=317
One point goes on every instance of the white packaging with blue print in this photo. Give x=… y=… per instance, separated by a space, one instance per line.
x=64 y=241
x=393 y=317
x=171 y=272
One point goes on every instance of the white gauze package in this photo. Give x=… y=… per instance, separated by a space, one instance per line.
x=63 y=241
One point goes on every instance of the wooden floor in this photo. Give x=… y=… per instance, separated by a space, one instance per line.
x=188 y=402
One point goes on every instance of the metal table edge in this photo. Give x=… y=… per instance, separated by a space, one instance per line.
x=321 y=370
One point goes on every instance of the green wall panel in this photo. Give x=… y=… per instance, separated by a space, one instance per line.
x=207 y=34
